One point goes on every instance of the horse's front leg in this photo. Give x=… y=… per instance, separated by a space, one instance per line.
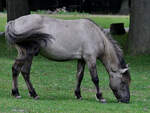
x=79 y=75
x=93 y=72
x=25 y=70
x=15 y=73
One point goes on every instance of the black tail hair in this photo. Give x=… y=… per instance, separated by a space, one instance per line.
x=13 y=38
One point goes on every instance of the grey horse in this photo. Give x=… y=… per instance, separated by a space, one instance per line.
x=63 y=40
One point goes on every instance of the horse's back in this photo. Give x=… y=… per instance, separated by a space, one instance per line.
x=73 y=39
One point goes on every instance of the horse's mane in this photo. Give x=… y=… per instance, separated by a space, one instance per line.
x=116 y=46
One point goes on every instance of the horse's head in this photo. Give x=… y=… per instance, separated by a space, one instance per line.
x=119 y=83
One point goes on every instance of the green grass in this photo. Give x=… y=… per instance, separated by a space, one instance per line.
x=59 y=13
x=55 y=82
x=3 y=21
x=100 y=20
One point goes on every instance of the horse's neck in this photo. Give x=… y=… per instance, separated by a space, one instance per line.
x=110 y=58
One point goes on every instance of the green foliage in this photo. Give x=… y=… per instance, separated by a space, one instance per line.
x=55 y=82
x=3 y=21
x=101 y=20
x=59 y=12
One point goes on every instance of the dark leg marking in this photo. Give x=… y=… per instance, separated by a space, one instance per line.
x=25 y=70
x=79 y=76
x=15 y=73
x=95 y=79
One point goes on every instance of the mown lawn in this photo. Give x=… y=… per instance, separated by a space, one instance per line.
x=55 y=82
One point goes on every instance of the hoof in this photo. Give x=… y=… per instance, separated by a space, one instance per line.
x=17 y=97
x=101 y=100
x=79 y=98
x=33 y=95
x=36 y=98
x=78 y=95
x=15 y=93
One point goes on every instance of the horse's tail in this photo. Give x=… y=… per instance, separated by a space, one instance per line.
x=29 y=32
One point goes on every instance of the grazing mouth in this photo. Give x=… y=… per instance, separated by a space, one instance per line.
x=126 y=100
x=122 y=100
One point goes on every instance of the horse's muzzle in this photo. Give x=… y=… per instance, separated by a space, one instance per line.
x=125 y=100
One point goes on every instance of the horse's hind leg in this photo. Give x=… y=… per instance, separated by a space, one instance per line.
x=93 y=72
x=16 y=68
x=79 y=75
x=15 y=73
x=25 y=70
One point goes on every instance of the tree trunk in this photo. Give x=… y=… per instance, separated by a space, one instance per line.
x=1 y=5
x=139 y=34
x=17 y=8
x=117 y=29
x=124 y=7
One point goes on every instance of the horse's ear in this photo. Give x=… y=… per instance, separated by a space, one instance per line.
x=123 y=70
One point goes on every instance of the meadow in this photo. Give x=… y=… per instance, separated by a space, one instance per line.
x=55 y=81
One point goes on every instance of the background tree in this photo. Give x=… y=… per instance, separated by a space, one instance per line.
x=17 y=8
x=124 y=7
x=139 y=34
x=1 y=8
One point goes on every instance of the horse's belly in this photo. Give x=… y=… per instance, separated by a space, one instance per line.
x=60 y=53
